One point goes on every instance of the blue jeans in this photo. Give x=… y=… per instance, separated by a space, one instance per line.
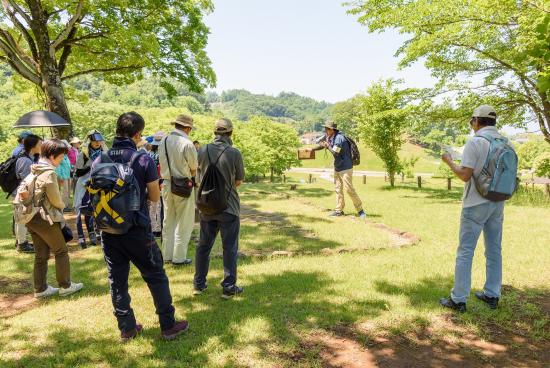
x=228 y=225
x=486 y=217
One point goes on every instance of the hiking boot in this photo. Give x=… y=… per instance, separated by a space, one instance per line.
x=75 y=287
x=93 y=239
x=362 y=215
x=50 y=290
x=25 y=247
x=126 y=336
x=199 y=290
x=491 y=302
x=336 y=214
x=229 y=293
x=178 y=329
x=185 y=262
x=449 y=303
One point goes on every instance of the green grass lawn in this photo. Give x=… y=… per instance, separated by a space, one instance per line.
x=427 y=163
x=375 y=297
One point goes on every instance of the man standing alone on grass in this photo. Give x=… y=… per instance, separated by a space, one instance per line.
x=229 y=162
x=478 y=214
x=138 y=245
x=340 y=148
x=178 y=159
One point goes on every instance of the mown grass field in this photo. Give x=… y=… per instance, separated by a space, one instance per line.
x=427 y=163
x=346 y=294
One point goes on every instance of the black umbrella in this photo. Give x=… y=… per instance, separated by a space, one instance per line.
x=41 y=119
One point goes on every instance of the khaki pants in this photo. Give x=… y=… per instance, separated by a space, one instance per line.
x=154 y=214
x=343 y=180
x=48 y=238
x=179 y=217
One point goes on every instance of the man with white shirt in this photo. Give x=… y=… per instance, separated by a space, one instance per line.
x=178 y=159
x=478 y=214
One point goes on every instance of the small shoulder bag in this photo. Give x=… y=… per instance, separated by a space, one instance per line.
x=181 y=187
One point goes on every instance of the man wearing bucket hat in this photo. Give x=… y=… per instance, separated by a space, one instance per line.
x=340 y=148
x=478 y=214
x=229 y=162
x=178 y=161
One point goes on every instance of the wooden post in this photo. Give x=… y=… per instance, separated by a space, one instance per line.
x=364 y=179
x=385 y=178
x=548 y=189
x=449 y=186
x=419 y=181
x=310 y=178
x=284 y=178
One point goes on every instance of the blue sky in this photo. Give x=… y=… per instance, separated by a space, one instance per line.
x=311 y=47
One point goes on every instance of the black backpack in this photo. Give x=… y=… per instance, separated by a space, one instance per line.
x=8 y=178
x=354 y=150
x=114 y=195
x=213 y=193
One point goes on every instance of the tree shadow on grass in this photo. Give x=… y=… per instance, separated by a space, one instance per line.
x=438 y=195
x=262 y=325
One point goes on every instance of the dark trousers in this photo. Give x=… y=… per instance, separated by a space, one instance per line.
x=89 y=220
x=228 y=225
x=139 y=247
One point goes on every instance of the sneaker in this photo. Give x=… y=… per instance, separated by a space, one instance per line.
x=185 y=262
x=82 y=243
x=449 y=303
x=336 y=214
x=126 y=336
x=93 y=239
x=199 y=290
x=491 y=302
x=232 y=291
x=178 y=329
x=75 y=287
x=362 y=215
x=25 y=247
x=50 y=290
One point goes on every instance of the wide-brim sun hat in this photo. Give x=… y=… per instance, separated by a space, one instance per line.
x=183 y=120
x=75 y=140
x=223 y=126
x=331 y=125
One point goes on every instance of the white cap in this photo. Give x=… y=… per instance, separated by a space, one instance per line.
x=485 y=111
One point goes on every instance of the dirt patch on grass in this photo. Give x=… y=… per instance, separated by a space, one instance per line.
x=442 y=343
x=14 y=297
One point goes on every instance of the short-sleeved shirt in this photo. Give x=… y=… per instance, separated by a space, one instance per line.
x=145 y=170
x=474 y=157
x=230 y=164
x=182 y=152
x=341 y=151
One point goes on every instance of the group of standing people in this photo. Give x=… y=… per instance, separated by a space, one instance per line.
x=171 y=157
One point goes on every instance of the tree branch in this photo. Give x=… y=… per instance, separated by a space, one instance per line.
x=20 y=11
x=102 y=70
x=90 y=36
x=11 y=13
x=14 y=46
x=18 y=65
x=68 y=28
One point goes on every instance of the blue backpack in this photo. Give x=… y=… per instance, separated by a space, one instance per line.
x=498 y=180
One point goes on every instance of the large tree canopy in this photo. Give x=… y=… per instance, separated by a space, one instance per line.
x=51 y=41
x=494 y=49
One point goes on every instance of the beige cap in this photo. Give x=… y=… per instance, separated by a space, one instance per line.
x=485 y=111
x=183 y=120
x=330 y=124
x=223 y=125
x=75 y=140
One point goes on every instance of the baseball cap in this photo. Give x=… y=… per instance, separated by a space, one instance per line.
x=24 y=134
x=485 y=111
x=223 y=125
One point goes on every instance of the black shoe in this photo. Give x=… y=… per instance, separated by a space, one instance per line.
x=185 y=262
x=132 y=334
x=449 y=303
x=25 y=247
x=229 y=293
x=179 y=328
x=491 y=302
x=157 y=234
x=199 y=290
x=336 y=214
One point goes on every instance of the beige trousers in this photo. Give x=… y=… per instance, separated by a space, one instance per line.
x=179 y=218
x=343 y=180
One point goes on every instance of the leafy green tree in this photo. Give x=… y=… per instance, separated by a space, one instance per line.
x=477 y=48
x=384 y=116
x=542 y=165
x=50 y=42
x=529 y=151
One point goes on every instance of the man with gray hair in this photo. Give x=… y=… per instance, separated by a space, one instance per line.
x=229 y=161
x=178 y=160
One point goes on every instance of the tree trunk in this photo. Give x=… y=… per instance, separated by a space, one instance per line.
x=392 y=179
x=55 y=102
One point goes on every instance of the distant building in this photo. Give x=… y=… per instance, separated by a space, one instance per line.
x=310 y=138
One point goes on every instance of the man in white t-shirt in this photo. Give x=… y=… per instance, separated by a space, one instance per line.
x=478 y=214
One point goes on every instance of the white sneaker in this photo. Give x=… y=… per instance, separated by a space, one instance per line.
x=71 y=289
x=50 y=290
